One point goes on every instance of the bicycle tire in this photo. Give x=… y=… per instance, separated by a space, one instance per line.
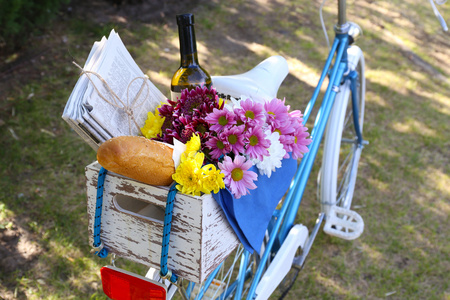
x=341 y=151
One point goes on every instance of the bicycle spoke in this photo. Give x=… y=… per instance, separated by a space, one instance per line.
x=225 y=280
x=348 y=124
x=343 y=177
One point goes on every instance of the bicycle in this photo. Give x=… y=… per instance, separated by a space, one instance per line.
x=343 y=106
x=339 y=122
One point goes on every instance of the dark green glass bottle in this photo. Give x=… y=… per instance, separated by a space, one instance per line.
x=190 y=74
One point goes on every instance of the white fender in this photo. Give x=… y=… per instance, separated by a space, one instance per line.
x=282 y=262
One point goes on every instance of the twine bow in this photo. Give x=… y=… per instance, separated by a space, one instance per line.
x=127 y=107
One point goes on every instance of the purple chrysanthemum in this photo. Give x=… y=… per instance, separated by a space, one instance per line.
x=166 y=111
x=237 y=176
x=199 y=101
x=187 y=116
x=189 y=126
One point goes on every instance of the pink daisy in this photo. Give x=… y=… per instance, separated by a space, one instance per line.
x=251 y=113
x=235 y=137
x=237 y=176
x=297 y=114
x=277 y=112
x=218 y=145
x=257 y=144
x=220 y=118
x=300 y=142
x=287 y=141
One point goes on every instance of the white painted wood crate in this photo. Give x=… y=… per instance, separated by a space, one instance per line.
x=132 y=225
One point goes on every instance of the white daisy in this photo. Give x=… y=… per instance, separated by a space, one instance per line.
x=276 y=151
x=233 y=103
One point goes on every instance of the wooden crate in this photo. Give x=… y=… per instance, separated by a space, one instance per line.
x=132 y=225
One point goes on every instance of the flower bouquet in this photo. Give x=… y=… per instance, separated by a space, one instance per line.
x=243 y=151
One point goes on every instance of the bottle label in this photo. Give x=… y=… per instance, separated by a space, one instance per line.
x=175 y=95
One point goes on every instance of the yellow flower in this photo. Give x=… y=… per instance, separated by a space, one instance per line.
x=193 y=145
x=212 y=179
x=192 y=148
x=189 y=174
x=194 y=178
x=153 y=124
x=199 y=158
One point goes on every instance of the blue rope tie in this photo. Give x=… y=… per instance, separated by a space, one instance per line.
x=103 y=252
x=166 y=235
x=98 y=246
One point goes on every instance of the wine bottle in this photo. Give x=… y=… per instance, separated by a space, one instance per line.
x=190 y=74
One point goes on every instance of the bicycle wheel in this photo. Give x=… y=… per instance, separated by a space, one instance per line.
x=231 y=277
x=341 y=150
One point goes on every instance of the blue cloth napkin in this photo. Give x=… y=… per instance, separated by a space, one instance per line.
x=250 y=215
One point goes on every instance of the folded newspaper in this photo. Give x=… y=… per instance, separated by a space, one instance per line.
x=112 y=96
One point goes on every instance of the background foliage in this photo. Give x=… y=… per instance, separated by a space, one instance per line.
x=20 y=18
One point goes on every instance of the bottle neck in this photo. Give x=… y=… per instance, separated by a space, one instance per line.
x=188 y=46
x=189 y=60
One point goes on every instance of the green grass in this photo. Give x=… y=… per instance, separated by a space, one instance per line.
x=403 y=186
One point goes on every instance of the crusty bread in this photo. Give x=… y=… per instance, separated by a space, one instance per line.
x=138 y=158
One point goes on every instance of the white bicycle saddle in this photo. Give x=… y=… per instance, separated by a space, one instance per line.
x=261 y=82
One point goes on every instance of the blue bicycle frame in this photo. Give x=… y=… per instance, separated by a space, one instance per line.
x=287 y=214
x=295 y=193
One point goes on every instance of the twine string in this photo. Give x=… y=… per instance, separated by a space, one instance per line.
x=127 y=107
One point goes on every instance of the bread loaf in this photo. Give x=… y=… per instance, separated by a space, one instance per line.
x=138 y=158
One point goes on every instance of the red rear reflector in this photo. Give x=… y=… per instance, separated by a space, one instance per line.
x=122 y=285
